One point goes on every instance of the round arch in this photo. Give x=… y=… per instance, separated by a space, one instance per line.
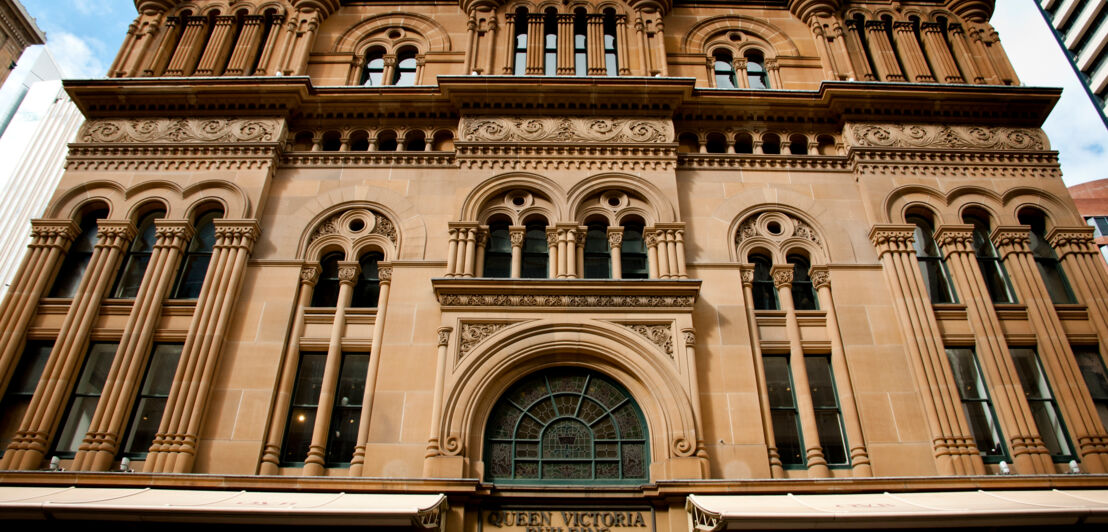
x=437 y=38
x=499 y=184
x=702 y=33
x=660 y=209
x=412 y=233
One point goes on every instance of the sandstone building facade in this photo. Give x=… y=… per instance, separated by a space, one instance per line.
x=583 y=264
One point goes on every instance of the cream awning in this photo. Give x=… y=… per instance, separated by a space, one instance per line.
x=898 y=510
x=210 y=506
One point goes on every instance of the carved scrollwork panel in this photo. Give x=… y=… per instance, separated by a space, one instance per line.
x=659 y=334
x=588 y=130
x=181 y=130
x=878 y=135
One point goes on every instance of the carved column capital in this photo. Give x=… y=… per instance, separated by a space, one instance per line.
x=53 y=232
x=551 y=237
x=309 y=274
x=615 y=237
x=517 y=234
x=114 y=232
x=173 y=233
x=820 y=275
x=893 y=238
x=581 y=234
x=349 y=270
x=1067 y=240
x=1012 y=239
x=236 y=233
x=444 y=335
x=747 y=272
x=384 y=273
x=782 y=275
x=955 y=238
x=689 y=335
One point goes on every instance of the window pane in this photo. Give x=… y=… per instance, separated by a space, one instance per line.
x=310 y=379
x=163 y=365
x=97 y=365
x=151 y=403
x=819 y=378
x=975 y=403
x=148 y=415
x=302 y=411
x=1039 y=397
x=77 y=258
x=786 y=435
x=829 y=425
x=76 y=424
x=21 y=388
x=984 y=429
x=298 y=435
x=779 y=382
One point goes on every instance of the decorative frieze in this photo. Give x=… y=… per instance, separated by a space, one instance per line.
x=565 y=301
x=567 y=129
x=182 y=130
x=877 y=135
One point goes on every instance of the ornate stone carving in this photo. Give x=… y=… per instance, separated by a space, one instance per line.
x=178 y=130
x=384 y=274
x=615 y=239
x=1077 y=237
x=660 y=334
x=758 y=225
x=452 y=446
x=109 y=230
x=689 y=335
x=444 y=335
x=954 y=240
x=172 y=232
x=516 y=238
x=589 y=130
x=782 y=277
x=50 y=230
x=380 y=224
x=941 y=136
x=472 y=333
x=565 y=301
x=898 y=238
x=551 y=239
x=748 y=276
x=683 y=447
x=309 y=274
x=820 y=278
x=348 y=273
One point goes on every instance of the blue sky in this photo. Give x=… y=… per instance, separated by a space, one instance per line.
x=84 y=36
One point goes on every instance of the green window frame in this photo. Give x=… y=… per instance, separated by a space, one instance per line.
x=498 y=252
x=1044 y=409
x=932 y=265
x=346 y=412
x=783 y=412
x=1096 y=378
x=302 y=408
x=150 y=404
x=977 y=405
x=566 y=426
x=825 y=403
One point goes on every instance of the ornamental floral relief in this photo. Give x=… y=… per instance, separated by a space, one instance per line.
x=182 y=130
x=874 y=135
x=660 y=334
x=472 y=333
x=589 y=130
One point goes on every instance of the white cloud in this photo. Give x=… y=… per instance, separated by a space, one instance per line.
x=75 y=55
x=88 y=7
x=1074 y=126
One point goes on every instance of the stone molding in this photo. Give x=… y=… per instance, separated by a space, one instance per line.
x=889 y=238
x=586 y=157
x=709 y=161
x=659 y=334
x=567 y=129
x=344 y=159
x=472 y=333
x=888 y=135
x=181 y=130
x=553 y=294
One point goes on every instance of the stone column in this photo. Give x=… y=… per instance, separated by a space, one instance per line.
x=101 y=442
x=50 y=239
x=124 y=50
x=963 y=56
x=285 y=48
x=826 y=56
x=914 y=62
x=133 y=55
x=881 y=50
x=624 y=68
x=492 y=29
x=689 y=337
x=615 y=248
x=384 y=275
x=776 y=469
x=535 y=43
x=954 y=448
x=317 y=451
x=859 y=56
x=218 y=47
x=595 y=24
x=579 y=252
x=482 y=243
x=156 y=64
x=516 y=235
x=436 y=400
x=1055 y=352
x=552 y=252
x=470 y=256
x=565 y=44
x=571 y=252
x=174 y=447
x=32 y=439
x=305 y=38
x=452 y=252
x=859 y=455
x=246 y=47
x=994 y=50
x=652 y=254
x=934 y=45
x=773 y=68
x=1084 y=268
x=188 y=48
x=980 y=51
x=271 y=453
x=269 y=52
x=509 y=42
x=839 y=50
x=388 y=70
x=641 y=39
x=1029 y=454
x=471 y=40
x=662 y=63
x=809 y=437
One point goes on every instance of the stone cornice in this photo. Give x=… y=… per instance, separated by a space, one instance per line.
x=345 y=159
x=558 y=294
x=709 y=161
x=170 y=157
x=942 y=163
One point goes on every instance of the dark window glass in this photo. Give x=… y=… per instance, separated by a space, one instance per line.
x=134 y=265
x=85 y=396
x=302 y=409
x=519 y=64
x=756 y=71
x=724 y=70
x=77 y=258
x=765 y=294
x=405 y=73
x=534 y=253
x=988 y=261
x=783 y=412
x=566 y=425
x=374 y=72
x=151 y=400
x=825 y=402
x=194 y=266
x=580 y=48
x=598 y=258
x=804 y=294
x=632 y=254
x=347 y=410
x=21 y=388
x=326 y=292
x=550 y=44
x=976 y=404
x=611 y=60
x=1049 y=268
x=1096 y=378
x=1039 y=397
x=498 y=252
x=368 y=288
x=931 y=263
x=1100 y=223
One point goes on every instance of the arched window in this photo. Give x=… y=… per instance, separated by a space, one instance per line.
x=326 y=292
x=368 y=287
x=611 y=60
x=194 y=266
x=804 y=295
x=632 y=253
x=498 y=251
x=405 y=73
x=931 y=263
x=77 y=258
x=988 y=261
x=765 y=294
x=566 y=425
x=519 y=64
x=756 y=70
x=1049 y=268
x=580 y=43
x=598 y=258
x=550 y=43
x=138 y=257
x=724 y=70
x=374 y=72
x=535 y=252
